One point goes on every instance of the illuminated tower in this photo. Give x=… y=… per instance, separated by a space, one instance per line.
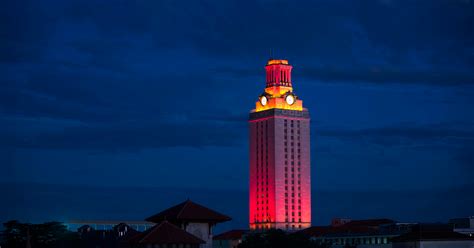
x=280 y=181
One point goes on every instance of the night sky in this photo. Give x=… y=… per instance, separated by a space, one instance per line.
x=156 y=95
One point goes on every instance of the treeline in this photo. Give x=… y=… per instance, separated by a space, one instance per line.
x=46 y=235
x=279 y=239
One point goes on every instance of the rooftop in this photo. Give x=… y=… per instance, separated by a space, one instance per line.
x=362 y=227
x=277 y=62
x=430 y=236
x=230 y=235
x=165 y=233
x=189 y=211
x=369 y=222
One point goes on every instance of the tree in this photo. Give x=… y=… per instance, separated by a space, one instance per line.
x=15 y=234
x=46 y=235
x=279 y=239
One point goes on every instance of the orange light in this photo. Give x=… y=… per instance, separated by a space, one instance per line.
x=277 y=62
x=278 y=91
x=279 y=103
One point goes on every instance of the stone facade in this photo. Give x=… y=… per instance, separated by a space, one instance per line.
x=280 y=170
x=202 y=231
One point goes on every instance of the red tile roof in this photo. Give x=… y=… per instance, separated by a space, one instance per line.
x=231 y=235
x=189 y=211
x=369 y=222
x=165 y=233
x=316 y=231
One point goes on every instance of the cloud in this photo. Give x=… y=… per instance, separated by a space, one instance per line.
x=84 y=42
x=313 y=31
x=454 y=133
x=386 y=75
x=126 y=136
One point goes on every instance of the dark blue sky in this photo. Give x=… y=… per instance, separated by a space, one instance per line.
x=157 y=93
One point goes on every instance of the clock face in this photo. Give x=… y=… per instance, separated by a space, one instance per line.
x=263 y=100
x=290 y=99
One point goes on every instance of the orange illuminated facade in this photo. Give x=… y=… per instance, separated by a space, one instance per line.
x=278 y=88
x=280 y=183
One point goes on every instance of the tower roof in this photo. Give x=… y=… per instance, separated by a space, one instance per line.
x=165 y=233
x=277 y=62
x=189 y=211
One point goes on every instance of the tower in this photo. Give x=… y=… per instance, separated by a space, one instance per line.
x=280 y=181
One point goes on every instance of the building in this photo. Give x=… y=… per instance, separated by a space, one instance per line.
x=165 y=235
x=429 y=236
x=280 y=183
x=386 y=233
x=372 y=233
x=108 y=224
x=186 y=225
x=116 y=237
x=192 y=218
x=463 y=225
x=229 y=239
